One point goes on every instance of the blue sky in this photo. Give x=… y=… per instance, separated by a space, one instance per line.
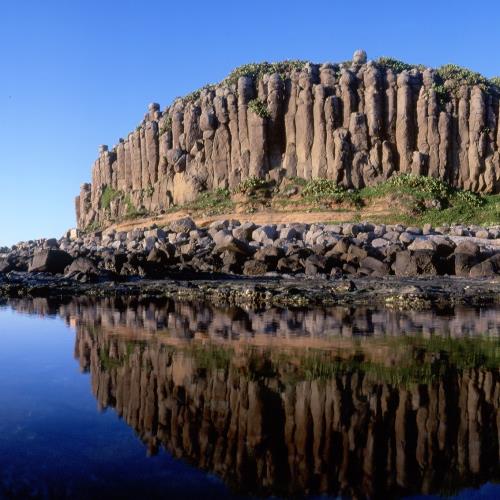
x=76 y=74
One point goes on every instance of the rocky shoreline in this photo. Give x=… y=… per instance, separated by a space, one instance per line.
x=419 y=293
x=243 y=263
x=289 y=250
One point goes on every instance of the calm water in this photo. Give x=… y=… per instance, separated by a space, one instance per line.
x=141 y=399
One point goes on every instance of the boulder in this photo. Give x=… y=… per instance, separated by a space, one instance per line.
x=488 y=267
x=263 y=233
x=463 y=263
x=419 y=262
x=82 y=269
x=254 y=268
x=270 y=255
x=244 y=232
x=290 y=265
x=225 y=241
x=375 y=266
x=423 y=243
x=183 y=225
x=467 y=247
x=50 y=261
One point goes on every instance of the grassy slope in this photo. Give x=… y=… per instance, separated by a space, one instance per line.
x=408 y=199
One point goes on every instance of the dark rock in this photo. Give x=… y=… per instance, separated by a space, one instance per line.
x=463 y=262
x=467 y=248
x=375 y=265
x=81 y=265
x=269 y=254
x=315 y=264
x=488 y=267
x=50 y=261
x=225 y=241
x=254 y=268
x=290 y=265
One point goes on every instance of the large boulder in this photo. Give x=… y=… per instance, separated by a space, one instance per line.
x=264 y=233
x=226 y=242
x=82 y=269
x=183 y=225
x=488 y=267
x=51 y=261
x=254 y=268
x=419 y=262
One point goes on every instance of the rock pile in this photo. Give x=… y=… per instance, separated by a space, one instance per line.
x=230 y=246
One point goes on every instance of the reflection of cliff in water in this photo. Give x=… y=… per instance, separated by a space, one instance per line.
x=372 y=417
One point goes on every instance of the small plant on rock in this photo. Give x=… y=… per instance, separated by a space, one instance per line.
x=167 y=125
x=250 y=185
x=259 y=107
x=323 y=188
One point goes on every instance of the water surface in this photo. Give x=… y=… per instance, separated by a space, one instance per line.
x=128 y=398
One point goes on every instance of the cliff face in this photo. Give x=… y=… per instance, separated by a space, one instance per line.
x=357 y=123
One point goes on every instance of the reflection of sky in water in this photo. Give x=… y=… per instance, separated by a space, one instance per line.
x=54 y=442
x=51 y=433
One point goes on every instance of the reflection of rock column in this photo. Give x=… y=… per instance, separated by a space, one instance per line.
x=260 y=427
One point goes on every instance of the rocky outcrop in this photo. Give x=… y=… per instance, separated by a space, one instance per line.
x=356 y=123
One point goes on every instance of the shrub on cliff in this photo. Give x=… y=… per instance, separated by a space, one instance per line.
x=167 y=125
x=495 y=81
x=398 y=66
x=251 y=185
x=457 y=76
x=259 y=107
x=258 y=70
x=109 y=194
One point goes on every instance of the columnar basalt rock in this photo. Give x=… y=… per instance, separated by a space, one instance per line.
x=357 y=123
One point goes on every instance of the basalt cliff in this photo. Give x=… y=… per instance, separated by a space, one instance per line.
x=357 y=123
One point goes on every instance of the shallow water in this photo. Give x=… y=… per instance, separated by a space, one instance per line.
x=157 y=399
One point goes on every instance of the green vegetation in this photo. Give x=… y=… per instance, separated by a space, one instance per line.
x=195 y=95
x=93 y=227
x=457 y=76
x=398 y=66
x=495 y=81
x=131 y=211
x=259 y=107
x=251 y=185
x=325 y=189
x=167 y=125
x=212 y=202
x=258 y=70
x=215 y=202
x=109 y=194
x=430 y=200
x=420 y=360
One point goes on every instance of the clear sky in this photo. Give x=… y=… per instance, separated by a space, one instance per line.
x=76 y=74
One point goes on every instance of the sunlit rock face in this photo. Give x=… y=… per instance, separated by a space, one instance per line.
x=356 y=123
x=362 y=402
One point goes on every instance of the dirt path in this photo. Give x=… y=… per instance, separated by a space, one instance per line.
x=262 y=217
